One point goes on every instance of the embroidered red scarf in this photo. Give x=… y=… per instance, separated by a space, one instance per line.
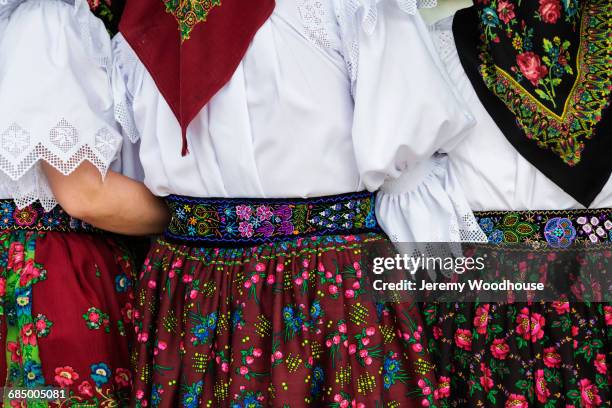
x=191 y=48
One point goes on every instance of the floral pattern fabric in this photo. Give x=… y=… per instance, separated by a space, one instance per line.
x=557 y=85
x=540 y=354
x=552 y=229
x=231 y=222
x=66 y=316
x=542 y=71
x=284 y=324
x=35 y=218
x=189 y=13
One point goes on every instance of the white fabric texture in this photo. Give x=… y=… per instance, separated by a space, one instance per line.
x=303 y=117
x=56 y=102
x=486 y=165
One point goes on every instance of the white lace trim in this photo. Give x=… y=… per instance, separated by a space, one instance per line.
x=353 y=15
x=124 y=61
x=318 y=18
x=64 y=145
x=462 y=225
x=442 y=36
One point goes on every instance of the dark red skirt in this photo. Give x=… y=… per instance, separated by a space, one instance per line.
x=66 y=308
x=283 y=324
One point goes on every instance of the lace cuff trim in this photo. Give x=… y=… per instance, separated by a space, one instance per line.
x=63 y=147
x=63 y=141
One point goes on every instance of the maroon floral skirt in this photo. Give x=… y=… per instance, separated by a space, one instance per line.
x=541 y=354
x=65 y=316
x=283 y=323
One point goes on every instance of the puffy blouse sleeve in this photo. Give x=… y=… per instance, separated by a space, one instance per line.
x=55 y=95
x=406 y=114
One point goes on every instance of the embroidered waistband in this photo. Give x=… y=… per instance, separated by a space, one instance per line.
x=558 y=229
x=35 y=218
x=223 y=222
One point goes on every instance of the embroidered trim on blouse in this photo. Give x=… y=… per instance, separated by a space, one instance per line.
x=555 y=229
x=563 y=132
x=189 y=13
x=35 y=218
x=222 y=222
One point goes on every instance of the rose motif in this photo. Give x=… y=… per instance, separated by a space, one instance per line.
x=550 y=11
x=559 y=232
x=552 y=359
x=516 y=401
x=500 y=349
x=481 y=319
x=505 y=9
x=443 y=390
x=486 y=379
x=531 y=67
x=463 y=339
x=600 y=364
x=589 y=394
x=530 y=325
x=542 y=391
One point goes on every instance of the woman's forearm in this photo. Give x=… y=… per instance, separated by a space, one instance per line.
x=116 y=204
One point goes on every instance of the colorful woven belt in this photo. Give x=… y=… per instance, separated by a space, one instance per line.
x=558 y=229
x=223 y=222
x=35 y=218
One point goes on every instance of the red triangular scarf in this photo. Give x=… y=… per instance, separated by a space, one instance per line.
x=191 y=48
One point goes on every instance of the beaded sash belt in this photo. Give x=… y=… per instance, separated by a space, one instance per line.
x=35 y=218
x=227 y=222
x=557 y=229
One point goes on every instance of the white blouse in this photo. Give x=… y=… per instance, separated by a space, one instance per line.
x=56 y=102
x=333 y=96
x=486 y=165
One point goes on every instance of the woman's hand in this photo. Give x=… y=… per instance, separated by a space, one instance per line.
x=116 y=204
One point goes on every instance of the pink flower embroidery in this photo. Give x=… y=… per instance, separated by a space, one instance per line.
x=552 y=359
x=589 y=394
x=542 y=391
x=65 y=376
x=516 y=401
x=505 y=10
x=246 y=229
x=244 y=212
x=531 y=66
x=530 y=325
x=463 y=339
x=550 y=10
x=500 y=349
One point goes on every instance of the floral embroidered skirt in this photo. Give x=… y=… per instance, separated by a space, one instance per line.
x=66 y=296
x=543 y=354
x=282 y=323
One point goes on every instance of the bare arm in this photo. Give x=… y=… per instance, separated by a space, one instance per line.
x=116 y=204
